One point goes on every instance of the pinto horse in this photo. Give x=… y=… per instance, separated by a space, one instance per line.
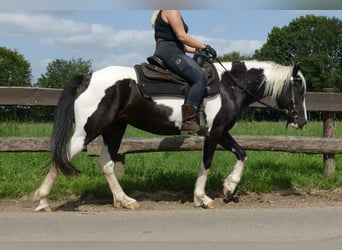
x=106 y=101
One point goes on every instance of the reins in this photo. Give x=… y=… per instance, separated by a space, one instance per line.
x=286 y=112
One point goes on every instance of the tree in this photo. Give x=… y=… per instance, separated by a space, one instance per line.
x=233 y=56
x=60 y=71
x=15 y=70
x=315 y=42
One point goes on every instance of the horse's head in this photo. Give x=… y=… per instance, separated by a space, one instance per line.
x=292 y=100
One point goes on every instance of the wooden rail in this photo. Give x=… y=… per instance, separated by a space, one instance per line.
x=331 y=102
x=328 y=145
x=292 y=144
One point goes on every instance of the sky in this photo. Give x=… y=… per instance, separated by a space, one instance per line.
x=122 y=35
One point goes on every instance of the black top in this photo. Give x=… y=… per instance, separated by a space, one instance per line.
x=164 y=31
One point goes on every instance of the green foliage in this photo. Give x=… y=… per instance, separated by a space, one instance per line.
x=233 y=56
x=60 y=71
x=315 y=42
x=15 y=70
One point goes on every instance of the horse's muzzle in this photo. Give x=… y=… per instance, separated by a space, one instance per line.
x=297 y=125
x=294 y=120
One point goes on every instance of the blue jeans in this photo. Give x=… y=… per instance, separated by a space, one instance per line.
x=172 y=53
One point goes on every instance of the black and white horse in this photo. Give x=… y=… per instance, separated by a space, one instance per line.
x=106 y=101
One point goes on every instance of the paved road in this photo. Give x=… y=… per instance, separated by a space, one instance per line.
x=178 y=225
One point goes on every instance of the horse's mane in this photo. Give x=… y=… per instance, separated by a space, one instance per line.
x=277 y=76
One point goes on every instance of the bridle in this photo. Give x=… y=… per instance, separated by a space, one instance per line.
x=291 y=115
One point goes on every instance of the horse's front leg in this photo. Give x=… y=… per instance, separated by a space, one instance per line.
x=200 y=197
x=232 y=181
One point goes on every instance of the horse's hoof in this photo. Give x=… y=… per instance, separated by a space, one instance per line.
x=210 y=205
x=48 y=209
x=226 y=192
x=204 y=202
x=43 y=208
x=133 y=206
x=229 y=196
x=127 y=205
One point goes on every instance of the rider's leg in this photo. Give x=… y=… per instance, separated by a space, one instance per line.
x=177 y=61
x=194 y=74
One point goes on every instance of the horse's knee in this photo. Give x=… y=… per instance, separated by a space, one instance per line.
x=239 y=152
x=242 y=156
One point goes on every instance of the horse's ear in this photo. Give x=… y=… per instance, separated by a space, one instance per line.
x=295 y=69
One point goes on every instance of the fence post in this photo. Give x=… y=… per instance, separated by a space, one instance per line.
x=329 y=131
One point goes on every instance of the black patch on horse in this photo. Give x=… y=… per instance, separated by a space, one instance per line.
x=154 y=80
x=84 y=84
x=238 y=68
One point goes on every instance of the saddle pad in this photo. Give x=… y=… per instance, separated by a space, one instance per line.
x=155 y=87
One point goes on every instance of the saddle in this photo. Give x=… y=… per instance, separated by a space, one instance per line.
x=155 y=79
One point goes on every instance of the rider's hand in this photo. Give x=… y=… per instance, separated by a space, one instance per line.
x=210 y=50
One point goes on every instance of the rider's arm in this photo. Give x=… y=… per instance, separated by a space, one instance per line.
x=189 y=49
x=173 y=17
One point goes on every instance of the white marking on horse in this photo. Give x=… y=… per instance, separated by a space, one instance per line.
x=233 y=180
x=200 y=198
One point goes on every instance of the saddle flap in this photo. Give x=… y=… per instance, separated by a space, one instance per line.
x=155 y=72
x=213 y=86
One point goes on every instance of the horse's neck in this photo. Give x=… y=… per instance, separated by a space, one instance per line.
x=276 y=75
x=252 y=94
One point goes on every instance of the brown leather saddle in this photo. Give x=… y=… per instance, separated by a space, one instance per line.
x=155 y=79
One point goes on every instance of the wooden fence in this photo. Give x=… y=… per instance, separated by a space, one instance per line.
x=328 y=103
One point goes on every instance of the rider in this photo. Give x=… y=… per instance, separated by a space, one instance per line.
x=172 y=42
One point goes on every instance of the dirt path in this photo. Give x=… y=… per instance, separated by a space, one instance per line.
x=172 y=201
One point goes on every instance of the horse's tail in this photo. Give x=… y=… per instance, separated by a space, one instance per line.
x=62 y=127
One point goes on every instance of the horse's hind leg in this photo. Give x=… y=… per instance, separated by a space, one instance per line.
x=41 y=194
x=43 y=191
x=111 y=145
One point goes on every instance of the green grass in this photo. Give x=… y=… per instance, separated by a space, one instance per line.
x=22 y=173
x=25 y=129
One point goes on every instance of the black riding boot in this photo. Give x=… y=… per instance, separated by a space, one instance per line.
x=190 y=122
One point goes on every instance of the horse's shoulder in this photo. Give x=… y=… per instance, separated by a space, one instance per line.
x=115 y=68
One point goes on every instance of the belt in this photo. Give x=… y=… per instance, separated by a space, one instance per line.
x=159 y=40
